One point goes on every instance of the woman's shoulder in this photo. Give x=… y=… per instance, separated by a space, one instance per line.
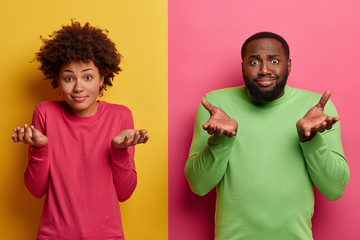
x=48 y=106
x=115 y=108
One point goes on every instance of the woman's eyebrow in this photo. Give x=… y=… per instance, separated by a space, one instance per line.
x=87 y=69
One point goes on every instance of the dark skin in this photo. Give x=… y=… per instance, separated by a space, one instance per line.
x=315 y=120
x=264 y=64
x=219 y=122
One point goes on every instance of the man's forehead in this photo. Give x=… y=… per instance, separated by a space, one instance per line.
x=268 y=46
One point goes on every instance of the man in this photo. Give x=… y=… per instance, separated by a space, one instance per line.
x=268 y=145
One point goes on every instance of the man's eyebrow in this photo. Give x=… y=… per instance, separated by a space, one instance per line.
x=273 y=55
x=254 y=56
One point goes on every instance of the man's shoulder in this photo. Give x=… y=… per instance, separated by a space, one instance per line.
x=310 y=99
x=306 y=95
x=226 y=92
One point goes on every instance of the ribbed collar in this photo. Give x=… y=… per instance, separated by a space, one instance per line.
x=75 y=118
x=288 y=93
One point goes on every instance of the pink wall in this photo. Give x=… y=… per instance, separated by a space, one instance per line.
x=205 y=37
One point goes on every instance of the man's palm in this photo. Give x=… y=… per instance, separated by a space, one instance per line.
x=219 y=122
x=315 y=120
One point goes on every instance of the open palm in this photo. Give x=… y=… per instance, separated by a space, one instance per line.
x=219 y=122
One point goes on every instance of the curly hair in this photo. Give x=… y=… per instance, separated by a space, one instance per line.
x=79 y=43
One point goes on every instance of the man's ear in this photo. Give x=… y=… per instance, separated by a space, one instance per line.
x=289 y=65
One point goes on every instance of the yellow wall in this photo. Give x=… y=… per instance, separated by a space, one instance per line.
x=139 y=29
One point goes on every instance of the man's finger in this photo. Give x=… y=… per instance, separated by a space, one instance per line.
x=207 y=105
x=211 y=129
x=324 y=99
x=218 y=132
x=230 y=134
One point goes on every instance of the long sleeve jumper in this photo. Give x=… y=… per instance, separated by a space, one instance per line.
x=80 y=173
x=264 y=176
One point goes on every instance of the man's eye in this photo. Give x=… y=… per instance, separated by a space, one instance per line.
x=274 y=61
x=254 y=62
x=88 y=78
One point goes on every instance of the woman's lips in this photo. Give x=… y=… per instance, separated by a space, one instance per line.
x=79 y=98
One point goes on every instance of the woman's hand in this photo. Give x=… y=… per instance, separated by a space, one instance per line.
x=29 y=135
x=130 y=137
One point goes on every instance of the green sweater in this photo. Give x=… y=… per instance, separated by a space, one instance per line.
x=264 y=176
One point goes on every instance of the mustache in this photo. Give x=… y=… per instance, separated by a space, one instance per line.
x=262 y=78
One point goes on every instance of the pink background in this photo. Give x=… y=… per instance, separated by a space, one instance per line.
x=205 y=38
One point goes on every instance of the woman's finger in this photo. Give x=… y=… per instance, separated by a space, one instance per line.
x=27 y=134
x=19 y=133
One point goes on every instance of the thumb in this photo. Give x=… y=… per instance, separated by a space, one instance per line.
x=324 y=99
x=208 y=106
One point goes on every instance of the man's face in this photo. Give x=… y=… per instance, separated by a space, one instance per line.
x=265 y=69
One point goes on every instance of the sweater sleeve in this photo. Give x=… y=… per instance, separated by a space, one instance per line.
x=326 y=163
x=36 y=176
x=123 y=166
x=208 y=157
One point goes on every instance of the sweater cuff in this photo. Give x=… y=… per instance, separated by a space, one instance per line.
x=39 y=154
x=314 y=144
x=119 y=153
x=221 y=140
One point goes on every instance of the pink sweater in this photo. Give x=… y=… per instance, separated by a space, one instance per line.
x=81 y=173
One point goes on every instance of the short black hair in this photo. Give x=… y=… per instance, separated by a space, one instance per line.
x=266 y=35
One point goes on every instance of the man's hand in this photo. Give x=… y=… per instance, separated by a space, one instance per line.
x=30 y=136
x=130 y=137
x=315 y=120
x=219 y=122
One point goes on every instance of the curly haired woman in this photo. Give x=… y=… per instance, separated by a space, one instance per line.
x=81 y=151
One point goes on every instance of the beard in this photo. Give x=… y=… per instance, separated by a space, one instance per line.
x=270 y=95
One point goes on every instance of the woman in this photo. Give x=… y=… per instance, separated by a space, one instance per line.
x=81 y=151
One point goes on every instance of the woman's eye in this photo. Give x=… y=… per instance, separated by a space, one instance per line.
x=68 y=79
x=254 y=62
x=274 y=61
x=88 y=78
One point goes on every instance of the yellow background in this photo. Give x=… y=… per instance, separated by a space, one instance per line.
x=139 y=29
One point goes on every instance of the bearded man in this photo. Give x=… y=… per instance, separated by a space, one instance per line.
x=264 y=147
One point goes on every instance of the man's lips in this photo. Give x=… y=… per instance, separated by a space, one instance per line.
x=265 y=81
x=79 y=98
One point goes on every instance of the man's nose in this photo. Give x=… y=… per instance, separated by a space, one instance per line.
x=264 y=69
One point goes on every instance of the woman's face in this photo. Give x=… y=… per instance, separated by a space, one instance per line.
x=79 y=85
